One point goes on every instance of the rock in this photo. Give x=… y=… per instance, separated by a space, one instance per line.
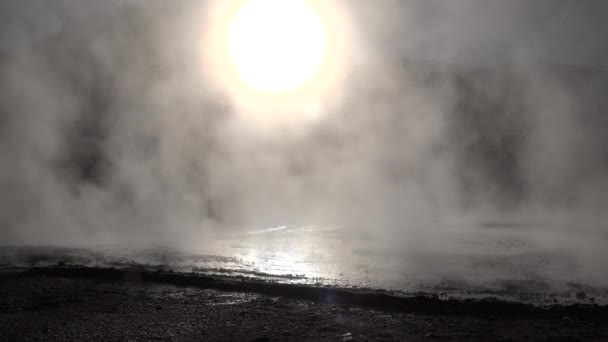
x=347 y=337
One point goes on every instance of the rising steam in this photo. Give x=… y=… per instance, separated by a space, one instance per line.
x=113 y=131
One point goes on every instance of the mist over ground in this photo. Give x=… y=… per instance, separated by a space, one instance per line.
x=112 y=132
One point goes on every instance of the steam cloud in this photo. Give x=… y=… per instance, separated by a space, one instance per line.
x=110 y=132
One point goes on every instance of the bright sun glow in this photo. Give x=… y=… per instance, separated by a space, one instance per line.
x=278 y=61
x=276 y=45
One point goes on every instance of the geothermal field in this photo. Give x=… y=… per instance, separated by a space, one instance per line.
x=303 y=170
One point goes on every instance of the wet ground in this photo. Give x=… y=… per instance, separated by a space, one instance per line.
x=496 y=282
x=77 y=304
x=511 y=261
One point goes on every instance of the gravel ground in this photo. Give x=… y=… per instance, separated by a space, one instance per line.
x=39 y=306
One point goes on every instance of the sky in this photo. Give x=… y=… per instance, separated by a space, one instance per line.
x=469 y=32
x=478 y=31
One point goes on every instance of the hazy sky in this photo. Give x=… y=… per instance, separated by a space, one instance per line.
x=460 y=31
x=493 y=30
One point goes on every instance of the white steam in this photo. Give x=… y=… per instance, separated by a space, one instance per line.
x=112 y=133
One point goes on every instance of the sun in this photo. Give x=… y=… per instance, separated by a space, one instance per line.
x=278 y=60
x=276 y=45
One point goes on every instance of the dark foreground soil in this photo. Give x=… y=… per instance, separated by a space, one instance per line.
x=89 y=304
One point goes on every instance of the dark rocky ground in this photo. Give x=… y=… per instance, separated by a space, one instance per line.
x=82 y=304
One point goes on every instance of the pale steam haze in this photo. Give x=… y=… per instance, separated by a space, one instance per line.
x=432 y=139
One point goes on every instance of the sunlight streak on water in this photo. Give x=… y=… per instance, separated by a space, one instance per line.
x=483 y=262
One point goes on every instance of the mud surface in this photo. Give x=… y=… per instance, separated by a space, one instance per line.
x=77 y=304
